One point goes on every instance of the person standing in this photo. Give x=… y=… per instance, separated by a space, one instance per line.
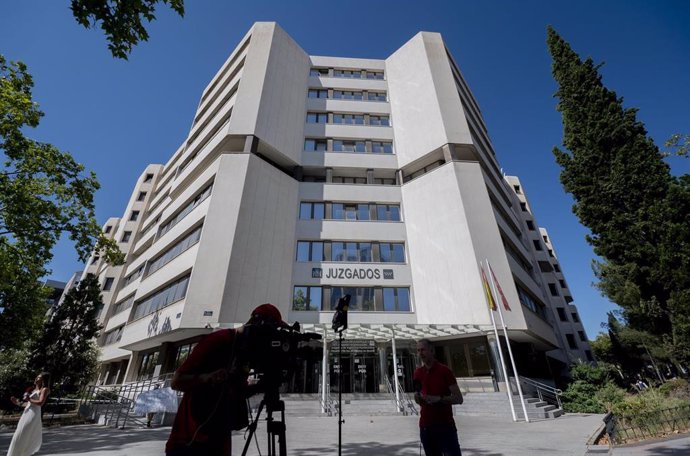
x=215 y=392
x=436 y=391
x=28 y=436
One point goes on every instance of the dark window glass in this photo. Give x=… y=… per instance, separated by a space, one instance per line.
x=398 y=253
x=142 y=196
x=317 y=251
x=576 y=319
x=530 y=225
x=108 y=283
x=305 y=211
x=553 y=289
x=338 y=251
x=338 y=211
x=561 y=314
x=537 y=244
x=403 y=299
x=365 y=252
x=389 y=299
x=362 y=212
x=302 y=251
x=571 y=341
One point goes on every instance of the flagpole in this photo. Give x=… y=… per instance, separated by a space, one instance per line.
x=500 y=353
x=510 y=351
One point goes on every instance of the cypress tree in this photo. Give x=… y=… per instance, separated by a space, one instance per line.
x=624 y=193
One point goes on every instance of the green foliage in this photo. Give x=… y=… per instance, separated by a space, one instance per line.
x=580 y=397
x=677 y=388
x=650 y=400
x=638 y=214
x=14 y=372
x=66 y=347
x=678 y=145
x=609 y=396
x=121 y=20
x=44 y=193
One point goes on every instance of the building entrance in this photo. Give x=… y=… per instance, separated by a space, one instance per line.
x=360 y=372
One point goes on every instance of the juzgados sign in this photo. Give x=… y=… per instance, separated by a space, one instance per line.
x=352 y=273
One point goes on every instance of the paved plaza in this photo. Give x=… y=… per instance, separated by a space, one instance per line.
x=362 y=435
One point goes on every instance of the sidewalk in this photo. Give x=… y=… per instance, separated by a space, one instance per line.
x=362 y=435
x=674 y=446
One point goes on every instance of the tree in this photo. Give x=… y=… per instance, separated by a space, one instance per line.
x=66 y=348
x=679 y=145
x=43 y=195
x=636 y=211
x=122 y=21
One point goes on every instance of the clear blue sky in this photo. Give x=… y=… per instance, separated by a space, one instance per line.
x=117 y=116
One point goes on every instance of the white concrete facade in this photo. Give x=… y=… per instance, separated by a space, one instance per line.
x=298 y=168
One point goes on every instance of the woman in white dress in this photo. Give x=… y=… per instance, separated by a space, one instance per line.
x=28 y=436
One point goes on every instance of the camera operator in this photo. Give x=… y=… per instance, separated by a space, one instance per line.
x=215 y=390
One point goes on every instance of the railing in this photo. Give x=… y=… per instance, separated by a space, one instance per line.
x=544 y=392
x=646 y=425
x=402 y=401
x=118 y=400
x=328 y=406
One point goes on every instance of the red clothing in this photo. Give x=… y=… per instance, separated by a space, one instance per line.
x=209 y=405
x=435 y=382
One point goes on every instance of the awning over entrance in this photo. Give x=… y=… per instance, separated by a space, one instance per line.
x=385 y=332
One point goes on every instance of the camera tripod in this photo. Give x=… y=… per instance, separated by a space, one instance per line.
x=274 y=428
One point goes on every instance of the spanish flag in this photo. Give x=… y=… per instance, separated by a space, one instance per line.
x=500 y=291
x=487 y=290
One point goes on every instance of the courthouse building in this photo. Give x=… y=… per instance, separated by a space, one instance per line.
x=305 y=178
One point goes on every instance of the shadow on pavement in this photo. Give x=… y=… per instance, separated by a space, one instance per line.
x=89 y=438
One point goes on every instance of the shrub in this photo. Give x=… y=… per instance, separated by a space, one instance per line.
x=677 y=388
x=580 y=397
x=609 y=396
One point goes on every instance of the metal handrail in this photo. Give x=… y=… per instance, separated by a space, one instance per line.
x=546 y=393
x=408 y=404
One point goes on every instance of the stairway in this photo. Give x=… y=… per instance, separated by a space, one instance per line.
x=496 y=404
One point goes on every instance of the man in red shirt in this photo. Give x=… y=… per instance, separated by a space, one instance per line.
x=215 y=391
x=436 y=392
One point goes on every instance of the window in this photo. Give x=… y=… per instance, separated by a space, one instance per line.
x=376 y=96
x=311 y=211
x=347 y=95
x=530 y=225
x=553 y=290
x=348 y=146
x=378 y=147
x=197 y=200
x=561 y=314
x=517 y=189
x=318 y=72
x=583 y=338
x=108 y=283
x=528 y=301
x=108 y=228
x=123 y=305
x=562 y=283
x=148 y=178
x=317 y=117
x=392 y=252
x=147 y=365
x=310 y=251
x=348 y=119
x=352 y=74
x=162 y=298
x=183 y=352
x=306 y=298
x=352 y=252
x=133 y=276
x=134 y=216
x=396 y=299
x=142 y=196
x=383 y=121
x=125 y=236
x=113 y=336
x=571 y=341
x=317 y=93
x=523 y=206
x=315 y=145
x=374 y=75
x=576 y=318
x=537 y=244
x=174 y=251
x=556 y=267
x=588 y=354
x=388 y=212
x=551 y=253
x=546 y=239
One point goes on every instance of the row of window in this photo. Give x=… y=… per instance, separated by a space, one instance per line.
x=527 y=301
x=198 y=199
x=168 y=295
x=350 y=180
x=356 y=95
x=351 y=74
x=179 y=247
x=363 y=299
x=361 y=146
x=113 y=336
x=348 y=119
x=349 y=211
x=355 y=252
x=564 y=317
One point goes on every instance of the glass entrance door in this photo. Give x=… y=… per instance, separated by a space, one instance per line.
x=360 y=372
